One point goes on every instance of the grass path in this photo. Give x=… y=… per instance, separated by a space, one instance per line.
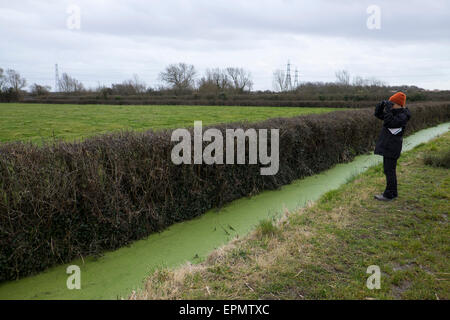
x=19 y=121
x=324 y=250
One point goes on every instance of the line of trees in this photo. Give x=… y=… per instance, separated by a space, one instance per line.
x=229 y=79
x=179 y=78
x=182 y=79
x=343 y=79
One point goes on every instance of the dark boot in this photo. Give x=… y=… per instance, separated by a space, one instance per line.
x=381 y=197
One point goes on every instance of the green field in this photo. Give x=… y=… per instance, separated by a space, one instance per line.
x=37 y=122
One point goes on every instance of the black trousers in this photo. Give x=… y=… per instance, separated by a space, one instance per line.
x=390 y=166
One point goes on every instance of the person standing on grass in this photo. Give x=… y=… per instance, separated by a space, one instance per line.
x=389 y=145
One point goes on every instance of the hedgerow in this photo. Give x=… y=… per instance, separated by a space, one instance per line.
x=64 y=200
x=200 y=101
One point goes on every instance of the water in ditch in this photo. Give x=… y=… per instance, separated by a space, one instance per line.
x=117 y=273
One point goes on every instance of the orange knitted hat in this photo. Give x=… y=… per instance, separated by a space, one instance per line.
x=399 y=98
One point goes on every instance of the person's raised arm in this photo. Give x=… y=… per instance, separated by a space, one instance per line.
x=379 y=110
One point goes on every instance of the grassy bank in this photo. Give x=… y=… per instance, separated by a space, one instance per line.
x=19 y=121
x=323 y=251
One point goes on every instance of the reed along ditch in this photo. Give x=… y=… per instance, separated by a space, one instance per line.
x=115 y=274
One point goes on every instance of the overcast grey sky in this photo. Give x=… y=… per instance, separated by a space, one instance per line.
x=117 y=39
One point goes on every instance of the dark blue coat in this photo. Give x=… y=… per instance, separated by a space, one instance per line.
x=390 y=145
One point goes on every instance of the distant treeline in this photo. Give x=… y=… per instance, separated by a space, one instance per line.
x=63 y=201
x=228 y=86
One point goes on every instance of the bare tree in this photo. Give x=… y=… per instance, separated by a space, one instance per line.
x=358 y=81
x=372 y=81
x=180 y=77
x=124 y=88
x=39 y=90
x=343 y=77
x=367 y=82
x=215 y=80
x=240 y=79
x=138 y=85
x=14 y=80
x=104 y=90
x=129 y=87
x=220 y=79
x=279 y=80
x=68 y=84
